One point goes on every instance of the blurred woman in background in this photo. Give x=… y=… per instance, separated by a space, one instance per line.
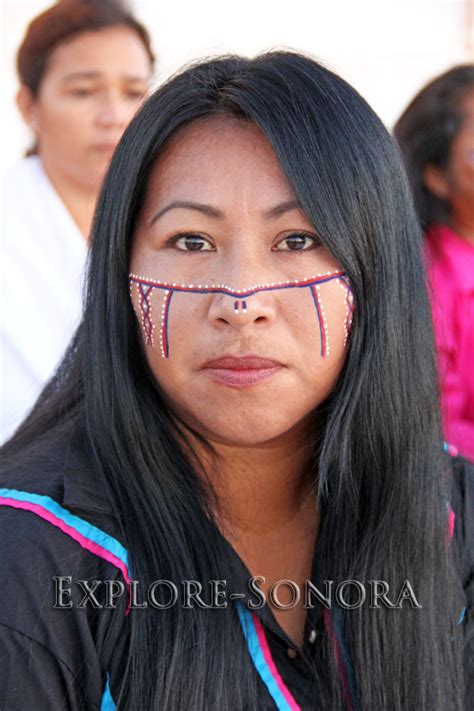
x=436 y=134
x=84 y=68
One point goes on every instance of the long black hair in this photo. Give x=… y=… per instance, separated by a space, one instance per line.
x=425 y=132
x=378 y=463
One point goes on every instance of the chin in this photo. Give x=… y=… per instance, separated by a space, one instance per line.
x=246 y=429
x=95 y=170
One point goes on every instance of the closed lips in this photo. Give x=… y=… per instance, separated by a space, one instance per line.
x=241 y=371
x=242 y=363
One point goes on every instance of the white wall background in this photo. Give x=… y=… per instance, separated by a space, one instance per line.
x=386 y=48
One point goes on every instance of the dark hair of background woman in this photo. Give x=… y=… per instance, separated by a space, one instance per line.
x=61 y=22
x=377 y=451
x=425 y=132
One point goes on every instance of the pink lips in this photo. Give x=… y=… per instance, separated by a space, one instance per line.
x=241 y=371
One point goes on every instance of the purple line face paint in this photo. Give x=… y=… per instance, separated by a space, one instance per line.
x=146 y=287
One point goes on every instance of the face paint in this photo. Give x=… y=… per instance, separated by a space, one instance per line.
x=238 y=304
x=145 y=287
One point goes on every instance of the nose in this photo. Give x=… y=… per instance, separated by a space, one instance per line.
x=235 y=308
x=113 y=111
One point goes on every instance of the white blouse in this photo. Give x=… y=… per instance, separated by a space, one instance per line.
x=43 y=256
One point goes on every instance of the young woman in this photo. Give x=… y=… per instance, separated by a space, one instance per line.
x=84 y=67
x=436 y=134
x=248 y=409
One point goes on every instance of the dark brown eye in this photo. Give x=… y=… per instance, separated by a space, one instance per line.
x=297 y=242
x=192 y=243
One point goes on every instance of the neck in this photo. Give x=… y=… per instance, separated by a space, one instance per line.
x=79 y=199
x=261 y=488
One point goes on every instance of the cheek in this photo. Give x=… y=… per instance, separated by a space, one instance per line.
x=170 y=326
x=165 y=317
x=65 y=128
x=469 y=182
x=321 y=330
x=319 y=319
x=462 y=172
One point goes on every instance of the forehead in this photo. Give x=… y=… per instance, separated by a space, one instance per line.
x=110 y=50
x=219 y=159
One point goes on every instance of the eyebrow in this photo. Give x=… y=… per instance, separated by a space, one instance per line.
x=97 y=75
x=216 y=214
x=281 y=209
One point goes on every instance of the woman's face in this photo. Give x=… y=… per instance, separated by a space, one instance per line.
x=219 y=212
x=92 y=86
x=460 y=175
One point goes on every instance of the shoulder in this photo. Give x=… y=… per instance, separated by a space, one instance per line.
x=463 y=506
x=33 y=214
x=450 y=259
x=53 y=485
x=462 y=502
x=26 y=210
x=19 y=179
x=29 y=167
x=59 y=536
x=59 y=465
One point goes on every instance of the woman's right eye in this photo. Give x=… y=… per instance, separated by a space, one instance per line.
x=191 y=243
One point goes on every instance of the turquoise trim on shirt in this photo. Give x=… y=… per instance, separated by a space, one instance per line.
x=107 y=703
x=259 y=660
x=85 y=528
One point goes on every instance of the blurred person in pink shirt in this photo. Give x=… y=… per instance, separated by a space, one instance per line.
x=436 y=135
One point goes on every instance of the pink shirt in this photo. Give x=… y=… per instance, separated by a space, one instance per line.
x=450 y=262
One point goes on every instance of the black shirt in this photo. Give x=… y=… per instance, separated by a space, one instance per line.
x=56 y=521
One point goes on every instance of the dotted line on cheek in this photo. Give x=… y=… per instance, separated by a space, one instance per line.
x=323 y=329
x=346 y=311
x=349 y=306
x=146 y=314
x=314 y=279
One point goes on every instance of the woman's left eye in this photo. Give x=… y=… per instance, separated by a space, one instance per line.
x=297 y=241
x=135 y=95
x=191 y=243
x=81 y=92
